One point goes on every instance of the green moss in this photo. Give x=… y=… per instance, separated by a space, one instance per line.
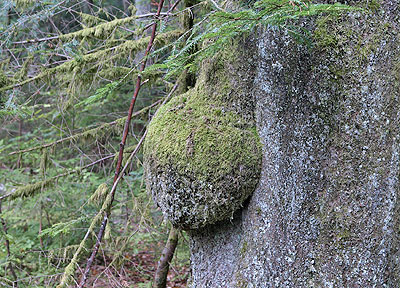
x=323 y=36
x=202 y=152
x=31 y=189
x=197 y=137
x=3 y=79
x=240 y=282
x=243 y=250
x=373 y=5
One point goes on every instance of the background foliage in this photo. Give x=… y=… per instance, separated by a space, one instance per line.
x=67 y=73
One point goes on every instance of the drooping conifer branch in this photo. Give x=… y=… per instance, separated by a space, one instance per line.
x=101 y=58
x=90 y=132
x=31 y=189
x=89 y=31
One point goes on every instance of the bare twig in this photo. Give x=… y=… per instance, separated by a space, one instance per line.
x=36 y=40
x=112 y=192
x=216 y=5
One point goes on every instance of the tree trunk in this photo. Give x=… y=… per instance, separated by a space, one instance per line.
x=326 y=209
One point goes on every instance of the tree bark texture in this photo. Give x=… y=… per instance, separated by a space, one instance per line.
x=326 y=209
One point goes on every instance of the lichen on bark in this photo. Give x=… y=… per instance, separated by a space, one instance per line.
x=202 y=151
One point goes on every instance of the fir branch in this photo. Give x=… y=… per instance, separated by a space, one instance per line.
x=94 y=131
x=31 y=189
x=90 y=31
x=100 y=57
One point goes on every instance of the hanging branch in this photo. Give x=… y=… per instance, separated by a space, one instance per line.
x=160 y=277
x=32 y=189
x=91 y=29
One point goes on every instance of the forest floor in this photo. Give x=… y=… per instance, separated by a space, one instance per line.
x=137 y=271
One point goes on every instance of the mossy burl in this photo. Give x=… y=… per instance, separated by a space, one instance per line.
x=202 y=158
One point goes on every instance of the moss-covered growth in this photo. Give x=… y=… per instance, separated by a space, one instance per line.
x=197 y=137
x=203 y=158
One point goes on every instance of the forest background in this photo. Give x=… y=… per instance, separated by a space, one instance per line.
x=68 y=70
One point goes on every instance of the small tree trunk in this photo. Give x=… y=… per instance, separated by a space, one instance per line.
x=160 y=278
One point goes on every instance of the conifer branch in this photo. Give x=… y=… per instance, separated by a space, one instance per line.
x=93 y=131
x=100 y=57
x=31 y=189
x=88 y=31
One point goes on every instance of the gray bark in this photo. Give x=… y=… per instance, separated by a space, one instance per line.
x=326 y=210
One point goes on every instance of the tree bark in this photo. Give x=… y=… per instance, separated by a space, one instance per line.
x=326 y=210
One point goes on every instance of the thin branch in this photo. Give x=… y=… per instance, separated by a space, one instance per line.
x=173 y=7
x=30 y=41
x=216 y=5
x=107 y=215
x=11 y=194
x=121 y=150
x=112 y=192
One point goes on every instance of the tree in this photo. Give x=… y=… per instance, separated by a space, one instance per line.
x=325 y=212
x=68 y=66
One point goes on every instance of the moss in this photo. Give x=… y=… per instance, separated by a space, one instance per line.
x=24 y=3
x=243 y=250
x=323 y=36
x=240 y=282
x=373 y=5
x=203 y=157
x=3 y=79
x=197 y=137
x=99 y=196
x=31 y=189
